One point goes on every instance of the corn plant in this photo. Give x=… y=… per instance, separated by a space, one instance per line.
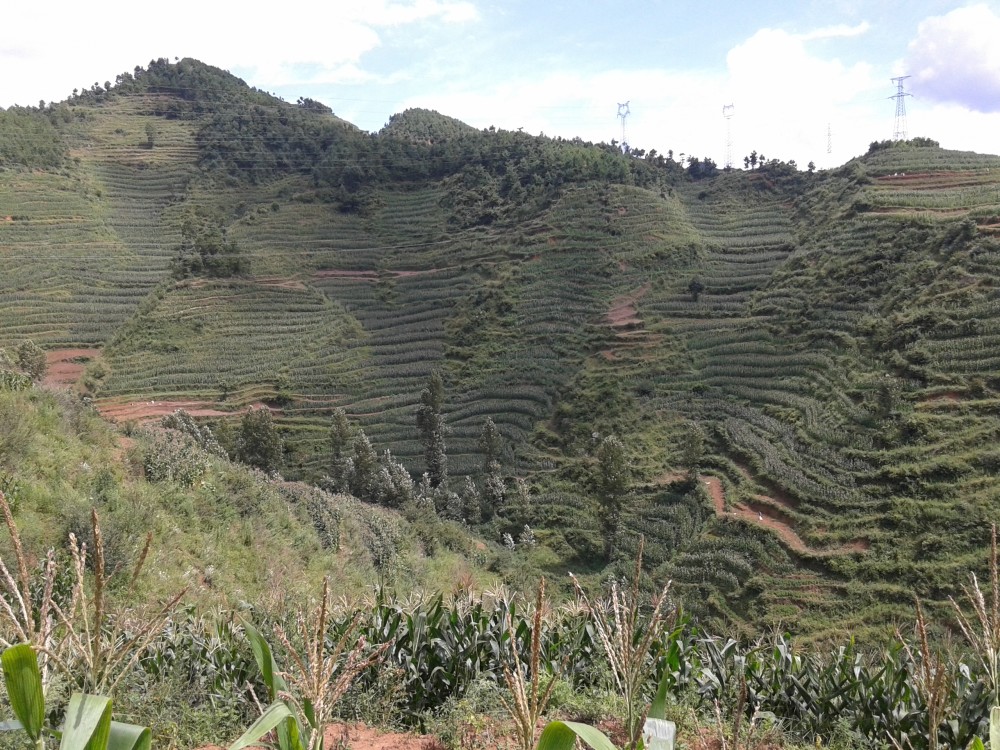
x=318 y=678
x=88 y=724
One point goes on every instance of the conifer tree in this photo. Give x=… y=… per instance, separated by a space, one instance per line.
x=611 y=481
x=364 y=474
x=340 y=443
x=493 y=493
x=432 y=428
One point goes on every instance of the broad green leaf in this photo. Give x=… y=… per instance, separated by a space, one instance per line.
x=129 y=737
x=265 y=660
x=562 y=735
x=995 y=728
x=276 y=713
x=307 y=709
x=88 y=723
x=658 y=707
x=976 y=744
x=24 y=687
x=288 y=735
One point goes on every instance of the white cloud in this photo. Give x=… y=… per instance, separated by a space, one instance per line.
x=840 y=31
x=785 y=96
x=956 y=58
x=95 y=41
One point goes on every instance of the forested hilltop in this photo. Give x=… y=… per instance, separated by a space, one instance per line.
x=786 y=380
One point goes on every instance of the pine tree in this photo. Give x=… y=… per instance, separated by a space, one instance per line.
x=494 y=491
x=364 y=477
x=396 y=485
x=340 y=443
x=432 y=428
x=611 y=481
x=471 y=502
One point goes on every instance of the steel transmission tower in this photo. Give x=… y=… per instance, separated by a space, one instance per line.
x=623 y=113
x=899 y=131
x=727 y=112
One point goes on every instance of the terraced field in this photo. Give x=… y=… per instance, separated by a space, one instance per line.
x=834 y=339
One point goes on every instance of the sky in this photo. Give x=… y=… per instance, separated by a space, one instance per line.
x=808 y=80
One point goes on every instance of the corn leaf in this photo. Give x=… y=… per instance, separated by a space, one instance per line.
x=273 y=715
x=129 y=737
x=562 y=735
x=88 y=723
x=976 y=744
x=24 y=688
x=658 y=707
x=265 y=660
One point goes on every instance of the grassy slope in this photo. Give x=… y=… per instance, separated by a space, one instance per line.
x=228 y=533
x=839 y=359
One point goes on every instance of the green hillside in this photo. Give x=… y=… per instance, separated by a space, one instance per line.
x=828 y=339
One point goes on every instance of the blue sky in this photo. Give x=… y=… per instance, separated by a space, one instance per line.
x=802 y=76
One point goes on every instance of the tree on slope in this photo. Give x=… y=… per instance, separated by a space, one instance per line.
x=340 y=446
x=492 y=446
x=611 y=482
x=259 y=443
x=430 y=423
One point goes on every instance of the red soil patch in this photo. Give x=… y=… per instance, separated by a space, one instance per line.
x=773 y=519
x=65 y=366
x=775 y=496
x=623 y=313
x=147 y=411
x=361 y=737
x=8 y=218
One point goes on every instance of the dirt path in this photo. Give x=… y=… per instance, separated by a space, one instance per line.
x=64 y=367
x=147 y=411
x=281 y=282
x=763 y=513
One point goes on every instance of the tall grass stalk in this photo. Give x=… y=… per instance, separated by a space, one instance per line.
x=627 y=636
x=528 y=699
x=92 y=645
x=933 y=676
x=983 y=633
x=319 y=676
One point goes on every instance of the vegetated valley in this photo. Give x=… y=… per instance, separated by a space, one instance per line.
x=477 y=358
